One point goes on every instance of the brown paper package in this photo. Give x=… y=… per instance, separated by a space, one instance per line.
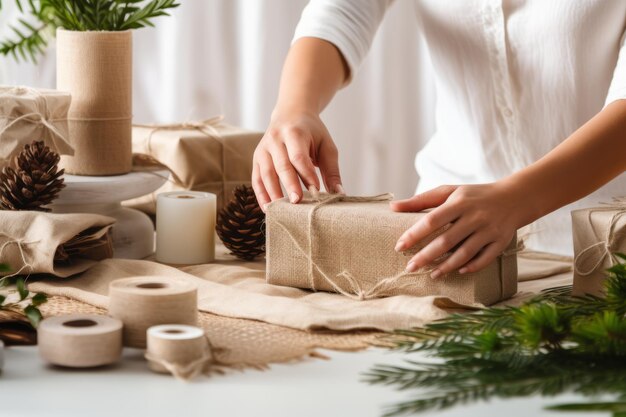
x=28 y=114
x=598 y=234
x=96 y=68
x=213 y=158
x=359 y=238
x=58 y=244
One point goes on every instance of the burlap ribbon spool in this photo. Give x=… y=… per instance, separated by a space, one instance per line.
x=80 y=340
x=143 y=302
x=96 y=68
x=590 y=261
x=180 y=350
x=346 y=283
x=28 y=113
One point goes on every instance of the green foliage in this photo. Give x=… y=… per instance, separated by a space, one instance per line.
x=553 y=343
x=30 y=39
x=26 y=303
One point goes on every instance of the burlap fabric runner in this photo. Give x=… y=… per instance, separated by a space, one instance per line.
x=245 y=342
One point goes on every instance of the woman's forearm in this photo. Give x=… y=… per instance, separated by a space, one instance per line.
x=588 y=159
x=313 y=72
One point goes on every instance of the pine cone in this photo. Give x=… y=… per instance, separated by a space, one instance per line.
x=241 y=224
x=34 y=181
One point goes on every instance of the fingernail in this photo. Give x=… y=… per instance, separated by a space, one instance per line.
x=339 y=189
x=293 y=197
x=411 y=267
x=463 y=271
x=399 y=246
x=435 y=274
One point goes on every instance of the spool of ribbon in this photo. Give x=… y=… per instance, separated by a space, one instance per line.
x=80 y=340
x=143 y=302
x=180 y=350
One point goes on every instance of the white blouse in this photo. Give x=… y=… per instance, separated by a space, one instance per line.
x=514 y=78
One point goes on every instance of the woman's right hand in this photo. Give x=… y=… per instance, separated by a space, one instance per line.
x=294 y=144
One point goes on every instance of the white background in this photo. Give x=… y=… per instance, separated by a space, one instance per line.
x=225 y=56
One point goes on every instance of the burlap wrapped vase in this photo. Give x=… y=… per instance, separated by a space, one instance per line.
x=62 y=245
x=209 y=156
x=28 y=114
x=346 y=245
x=96 y=68
x=598 y=233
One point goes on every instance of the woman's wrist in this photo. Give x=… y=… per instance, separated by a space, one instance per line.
x=525 y=196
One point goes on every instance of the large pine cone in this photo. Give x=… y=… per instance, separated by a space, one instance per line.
x=241 y=224
x=33 y=182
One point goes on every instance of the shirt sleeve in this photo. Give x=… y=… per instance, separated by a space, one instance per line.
x=350 y=25
x=617 y=89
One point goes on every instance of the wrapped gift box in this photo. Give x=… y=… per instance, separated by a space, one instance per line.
x=347 y=246
x=28 y=114
x=210 y=156
x=598 y=234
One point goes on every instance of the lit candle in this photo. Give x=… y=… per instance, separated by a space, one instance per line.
x=185 y=227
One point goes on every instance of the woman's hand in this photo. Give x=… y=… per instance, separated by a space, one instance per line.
x=294 y=144
x=484 y=219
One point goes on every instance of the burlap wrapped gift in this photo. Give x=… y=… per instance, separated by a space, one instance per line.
x=58 y=244
x=28 y=114
x=598 y=234
x=210 y=156
x=346 y=245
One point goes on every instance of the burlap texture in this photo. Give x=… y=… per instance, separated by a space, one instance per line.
x=598 y=234
x=359 y=238
x=209 y=156
x=244 y=342
x=59 y=244
x=28 y=114
x=96 y=68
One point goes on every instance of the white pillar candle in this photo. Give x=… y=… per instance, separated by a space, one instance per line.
x=185 y=227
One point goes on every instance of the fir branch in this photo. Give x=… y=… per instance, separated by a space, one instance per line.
x=553 y=343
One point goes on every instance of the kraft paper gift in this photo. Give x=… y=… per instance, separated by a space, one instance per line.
x=28 y=114
x=210 y=156
x=58 y=244
x=598 y=234
x=346 y=245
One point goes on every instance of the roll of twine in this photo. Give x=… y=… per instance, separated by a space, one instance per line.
x=80 y=340
x=180 y=350
x=143 y=302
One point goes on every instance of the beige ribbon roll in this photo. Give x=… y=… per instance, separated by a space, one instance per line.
x=143 y=302
x=80 y=340
x=180 y=350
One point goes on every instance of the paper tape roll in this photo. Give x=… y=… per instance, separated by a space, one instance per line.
x=143 y=302
x=80 y=340
x=180 y=350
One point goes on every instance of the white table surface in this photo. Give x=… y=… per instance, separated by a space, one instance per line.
x=330 y=388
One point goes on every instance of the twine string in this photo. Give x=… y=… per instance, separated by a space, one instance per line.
x=605 y=242
x=19 y=243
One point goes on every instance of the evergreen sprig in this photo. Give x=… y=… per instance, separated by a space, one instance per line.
x=20 y=300
x=553 y=343
x=29 y=39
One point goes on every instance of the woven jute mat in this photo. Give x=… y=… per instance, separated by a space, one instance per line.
x=241 y=343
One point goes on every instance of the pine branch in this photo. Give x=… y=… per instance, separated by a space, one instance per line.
x=552 y=344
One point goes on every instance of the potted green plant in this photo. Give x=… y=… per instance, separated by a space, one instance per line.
x=94 y=64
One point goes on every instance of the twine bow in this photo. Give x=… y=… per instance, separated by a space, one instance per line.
x=605 y=243
x=41 y=117
x=20 y=247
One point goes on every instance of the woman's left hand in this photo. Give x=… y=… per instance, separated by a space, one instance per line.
x=484 y=219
